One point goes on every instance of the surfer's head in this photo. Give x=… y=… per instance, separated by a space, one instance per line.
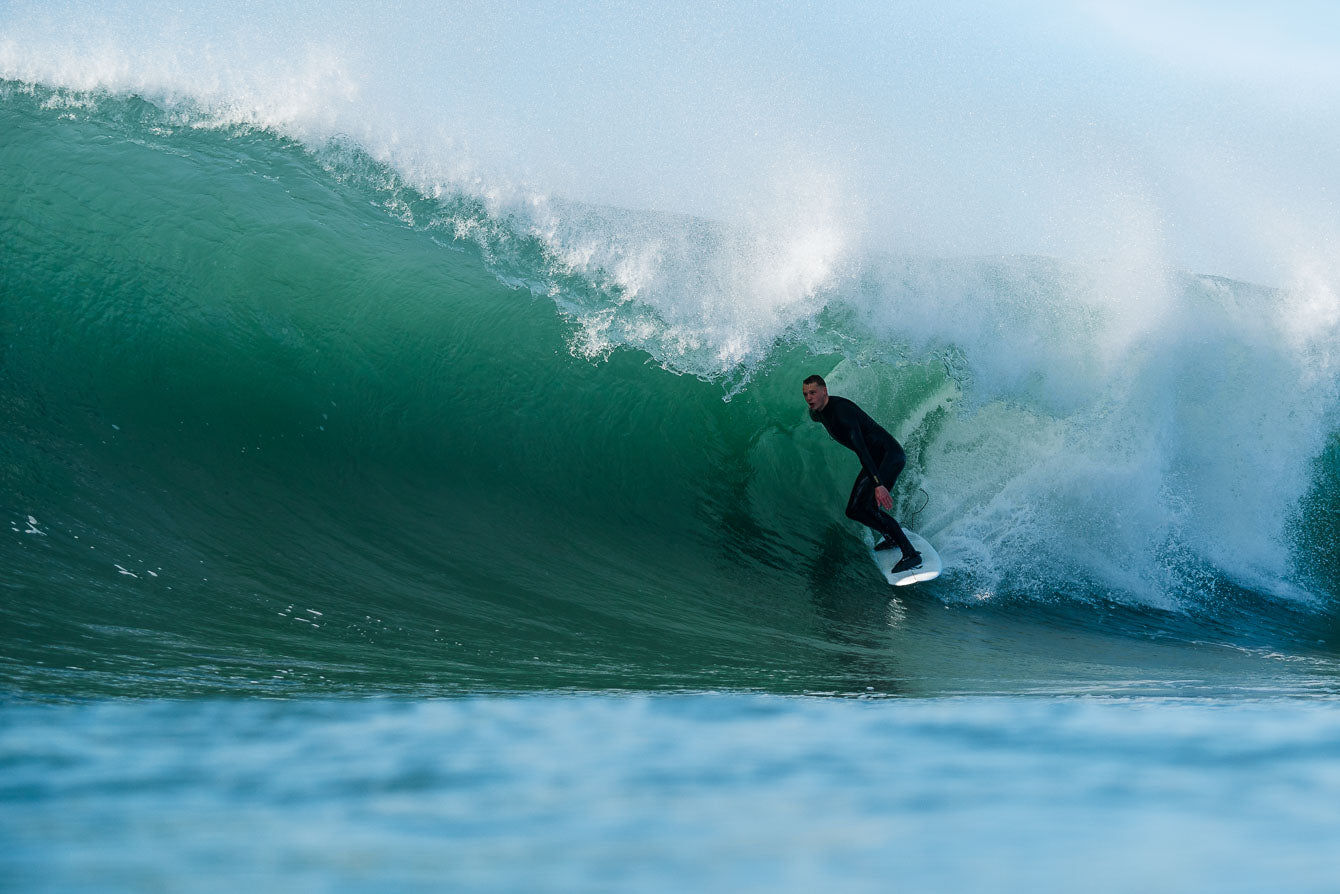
x=816 y=393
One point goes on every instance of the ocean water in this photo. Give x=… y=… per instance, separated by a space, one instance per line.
x=638 y=792
x=393 y=500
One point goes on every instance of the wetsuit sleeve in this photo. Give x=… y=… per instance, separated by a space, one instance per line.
x=858 y=444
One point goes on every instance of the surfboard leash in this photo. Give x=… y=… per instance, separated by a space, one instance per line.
x=926 y=498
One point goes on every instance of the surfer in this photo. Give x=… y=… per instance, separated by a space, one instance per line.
x=882 y=459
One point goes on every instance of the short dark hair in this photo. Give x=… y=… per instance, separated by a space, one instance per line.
x=816 y=380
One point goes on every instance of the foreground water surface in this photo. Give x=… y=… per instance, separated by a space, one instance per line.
x=669 y=793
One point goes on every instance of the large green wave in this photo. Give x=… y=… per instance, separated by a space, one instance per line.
x=274 y=419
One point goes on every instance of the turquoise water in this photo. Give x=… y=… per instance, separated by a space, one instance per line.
x=663 y=793
x=368 y=530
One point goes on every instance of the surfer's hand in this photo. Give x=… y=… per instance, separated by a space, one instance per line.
x=883 y=499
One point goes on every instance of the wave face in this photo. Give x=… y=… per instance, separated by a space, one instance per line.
x=282 y=414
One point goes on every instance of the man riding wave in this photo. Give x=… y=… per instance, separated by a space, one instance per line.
x=882 y=459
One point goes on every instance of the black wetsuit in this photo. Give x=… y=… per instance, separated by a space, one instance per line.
x=882 y=459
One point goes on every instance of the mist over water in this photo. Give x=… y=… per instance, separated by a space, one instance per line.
x=1150 y=134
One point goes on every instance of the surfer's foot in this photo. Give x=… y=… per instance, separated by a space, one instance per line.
x=886 y=543
x=907 y=562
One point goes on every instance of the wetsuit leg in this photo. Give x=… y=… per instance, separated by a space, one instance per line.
x=862 y=507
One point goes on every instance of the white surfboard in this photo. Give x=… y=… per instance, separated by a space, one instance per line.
x=929 y=569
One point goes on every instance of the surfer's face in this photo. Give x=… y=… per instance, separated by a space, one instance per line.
x=815 y=395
